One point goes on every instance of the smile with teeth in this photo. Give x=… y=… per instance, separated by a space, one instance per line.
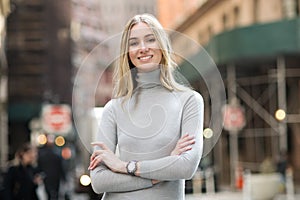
x=145 y=58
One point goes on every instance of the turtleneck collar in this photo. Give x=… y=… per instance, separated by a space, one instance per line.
x=148 y=79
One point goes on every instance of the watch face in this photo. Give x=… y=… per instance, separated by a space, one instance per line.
x=131 y=166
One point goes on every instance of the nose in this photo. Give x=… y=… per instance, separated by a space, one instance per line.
x=143 y=47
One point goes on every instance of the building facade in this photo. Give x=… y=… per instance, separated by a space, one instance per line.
x=39 y=65
x=172 y=13
x=255 y=47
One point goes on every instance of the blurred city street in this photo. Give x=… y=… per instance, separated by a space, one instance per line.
x=57 y=61
x=232 y=196
x=217 y=196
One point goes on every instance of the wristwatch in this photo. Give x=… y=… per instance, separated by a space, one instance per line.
x=131 y=167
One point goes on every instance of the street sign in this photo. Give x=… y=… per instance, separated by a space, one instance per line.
x=56 y=119
x=234 y=117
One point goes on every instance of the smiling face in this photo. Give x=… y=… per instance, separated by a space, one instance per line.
x=144 y=50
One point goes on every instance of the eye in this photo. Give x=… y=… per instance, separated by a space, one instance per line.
x=133 y=43
x=152 y=39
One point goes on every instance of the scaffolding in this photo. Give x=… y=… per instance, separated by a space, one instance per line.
x=261 y=95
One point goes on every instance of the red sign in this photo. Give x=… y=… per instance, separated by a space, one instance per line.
x=56 y=118
x=234 y=117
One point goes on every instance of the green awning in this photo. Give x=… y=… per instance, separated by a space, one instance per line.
x=252 y=42
x=23 y=111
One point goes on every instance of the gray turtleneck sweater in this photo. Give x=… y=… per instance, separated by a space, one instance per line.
x=146 y=128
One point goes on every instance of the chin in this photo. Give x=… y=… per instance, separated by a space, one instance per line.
x=147 y=67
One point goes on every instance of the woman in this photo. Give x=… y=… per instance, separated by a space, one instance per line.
x=22 y=179
x=156 y=123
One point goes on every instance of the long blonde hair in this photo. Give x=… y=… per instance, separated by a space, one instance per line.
x=123 y=80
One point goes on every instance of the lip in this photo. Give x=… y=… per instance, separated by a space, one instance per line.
x=145 y=58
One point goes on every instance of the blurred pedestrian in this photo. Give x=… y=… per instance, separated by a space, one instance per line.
x=51 y=164
x=22 y=178
x=282 y=164
x=156 y=122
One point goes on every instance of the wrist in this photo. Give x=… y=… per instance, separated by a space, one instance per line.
x=131 y=167
x=123 y=167
x=120 y=168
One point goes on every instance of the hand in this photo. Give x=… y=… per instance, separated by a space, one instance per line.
x=106 y=156
x=38 y=179
x=154 y=182
x=184 y=144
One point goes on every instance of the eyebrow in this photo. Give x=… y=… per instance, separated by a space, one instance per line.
x=148 y=35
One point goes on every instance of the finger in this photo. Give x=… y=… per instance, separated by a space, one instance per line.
x=92 y=158
x=187 y=148
x=190 y=137
x=186 y=138
x=187 y=143
x=100 y=144
x=183 y=150
x=91 y=166
x=94 y=163
x=95 y=154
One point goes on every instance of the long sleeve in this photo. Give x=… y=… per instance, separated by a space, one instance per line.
x=103 y=179
x=185 y=165
x=146 y=128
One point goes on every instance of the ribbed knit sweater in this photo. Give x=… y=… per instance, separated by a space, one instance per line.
x=146 y=128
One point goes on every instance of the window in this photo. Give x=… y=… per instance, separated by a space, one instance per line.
x=225 y=21
x=255 y=10
x=209 y=32
x=236 y=15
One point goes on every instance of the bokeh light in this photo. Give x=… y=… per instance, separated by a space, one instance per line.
x=208 y=133
x=280 y=114
x=85 y=180
x=60 y=141
x=66 y=153
x=42 y=139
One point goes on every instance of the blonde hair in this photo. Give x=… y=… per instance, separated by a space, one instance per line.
x=123 y=80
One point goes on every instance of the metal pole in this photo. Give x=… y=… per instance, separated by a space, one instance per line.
x=3 y=111
x=3 y=140
x=281 y=84
x=233 y=141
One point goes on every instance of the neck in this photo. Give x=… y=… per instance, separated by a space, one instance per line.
x=148 y=79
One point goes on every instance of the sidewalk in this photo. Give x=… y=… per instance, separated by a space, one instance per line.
x=233 y=196
x=216 y=196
